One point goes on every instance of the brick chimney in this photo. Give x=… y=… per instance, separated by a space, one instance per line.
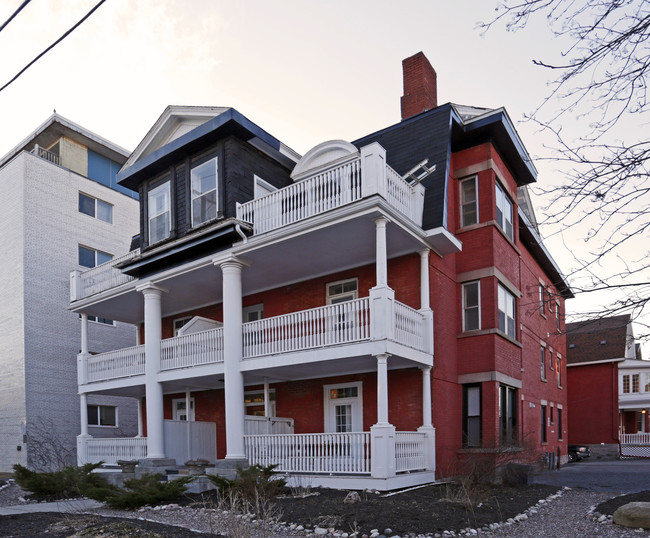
x=420 y=86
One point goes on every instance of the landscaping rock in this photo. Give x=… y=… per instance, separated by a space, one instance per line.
x=352 y=497
x=635 y=515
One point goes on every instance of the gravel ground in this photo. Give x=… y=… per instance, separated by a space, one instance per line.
x=569 y=514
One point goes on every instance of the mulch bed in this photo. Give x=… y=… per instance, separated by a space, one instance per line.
x=609 y=507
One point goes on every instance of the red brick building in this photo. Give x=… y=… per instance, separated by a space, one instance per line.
x=374 y=313
x=609 y=385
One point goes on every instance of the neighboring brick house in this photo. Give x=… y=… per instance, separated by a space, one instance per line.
x=609 y=383
x=59 y=204
x=303 y=296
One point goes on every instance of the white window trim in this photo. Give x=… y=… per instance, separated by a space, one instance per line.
x=192 y=410
x=354 y=293
x=462 y=204
x=96 y=200
x=514 y=310
x=259 y=308
x=117 y=417
x=502 y=197
x=263 y=403
x=358 y=409
x=261 y=184
x=176 y=321
x=216 y=192
x=478 y=282
x=168 y=185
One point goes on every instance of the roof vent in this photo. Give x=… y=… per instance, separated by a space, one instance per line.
x=603 y=342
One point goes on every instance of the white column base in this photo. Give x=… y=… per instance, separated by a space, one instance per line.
x=382 y=448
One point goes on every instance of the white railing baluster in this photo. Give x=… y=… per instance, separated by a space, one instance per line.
x=104 y=276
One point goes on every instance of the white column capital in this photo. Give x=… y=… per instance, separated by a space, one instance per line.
x=149 y=288
x=381 y=221
x=232 y=263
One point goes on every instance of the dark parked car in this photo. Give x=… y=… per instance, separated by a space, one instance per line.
x=578 y=452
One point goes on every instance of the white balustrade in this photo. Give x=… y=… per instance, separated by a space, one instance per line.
x=45 y=154
x=195 y=349
x=409 y=326
x=640 y=438
x=327 y=190
x=311 y=452
x=113 y=364
x=328 y=325
x=111 y=449
x=401 y=195
x=103 y=277
x=410 y=451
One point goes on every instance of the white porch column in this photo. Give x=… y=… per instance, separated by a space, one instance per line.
x=382 y=389
x=83 y=408
x=427 y=425
x=82 y=357
x=82 y=439
x=425 y=301
x=232 y=347
x=152 y=338
x=382 y=298
x=140 y=423
x=267 y=399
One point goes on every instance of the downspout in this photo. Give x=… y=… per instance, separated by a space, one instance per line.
x=241 y=233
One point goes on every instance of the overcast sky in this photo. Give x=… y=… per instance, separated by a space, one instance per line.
x=304 y=71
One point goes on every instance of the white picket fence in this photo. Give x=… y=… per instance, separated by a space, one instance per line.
x=346 y=453
x=327 y=325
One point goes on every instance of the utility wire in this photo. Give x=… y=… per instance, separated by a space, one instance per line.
x=14 y=14
x=66 y=34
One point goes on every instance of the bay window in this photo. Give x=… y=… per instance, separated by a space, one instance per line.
x=504 y=212
x=471 y=306
x=507 y=312
x=468 y=202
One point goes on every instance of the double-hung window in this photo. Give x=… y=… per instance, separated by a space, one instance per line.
x=471 y=306
x=340 y=292
x=159 y=208
x=542 y=303
x=89 y=257
x=96 y=208
x=557 y=316
x=102 y=415
x=507 y=312
x=544 y=420
x=626 y=384
x=204 y=192
x=543 y=361
x=468 y=202
x=559 y=423
x=472 y=415
x=504 y=212
x=636 y=381
x=558 y=370
x=508 y=414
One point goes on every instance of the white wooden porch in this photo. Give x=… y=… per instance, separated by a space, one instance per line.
x=635 y=445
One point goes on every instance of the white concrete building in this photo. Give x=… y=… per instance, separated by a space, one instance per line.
x=59 y=207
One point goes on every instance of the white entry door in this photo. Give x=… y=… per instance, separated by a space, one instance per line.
x=343 y=408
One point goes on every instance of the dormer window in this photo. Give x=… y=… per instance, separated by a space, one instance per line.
x=159 y=208
x=204 y=192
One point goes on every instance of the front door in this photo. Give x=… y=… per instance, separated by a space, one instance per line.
x=343 y=408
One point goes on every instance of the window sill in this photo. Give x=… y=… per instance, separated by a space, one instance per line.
x=544 y=380
x=482 y=332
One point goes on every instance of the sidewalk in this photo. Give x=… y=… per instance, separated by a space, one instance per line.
x=73 y=505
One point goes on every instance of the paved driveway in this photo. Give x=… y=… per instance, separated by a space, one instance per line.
x=616 y=476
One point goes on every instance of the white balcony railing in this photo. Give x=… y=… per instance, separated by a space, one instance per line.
x=115 y=364
x=311 y=452
x=328 y=190
x=327 y=325
x=410 y=451
x=101 y=278
x=205 y=347
x=111 y=449
x=313 y=196
x=409 y=326
x=635 y=438
x=45 y=154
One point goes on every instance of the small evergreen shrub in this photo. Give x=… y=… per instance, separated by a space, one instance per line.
x=147 y=490
x=66 y=483
x=251 y=483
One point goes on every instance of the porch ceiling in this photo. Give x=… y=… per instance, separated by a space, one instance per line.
x=315 y=247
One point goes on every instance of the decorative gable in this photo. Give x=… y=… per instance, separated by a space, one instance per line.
x=173 y=123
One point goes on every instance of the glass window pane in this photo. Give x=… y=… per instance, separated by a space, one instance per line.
x=474 y=431
x=103 y=257
x=471 y=319
x=92 y=415
x=471 y=294
x=104 y=211
x=107 y=416
x=86 y=257
x=159 y=228
x=86 y=205
x=204 y=208
x=473 y=401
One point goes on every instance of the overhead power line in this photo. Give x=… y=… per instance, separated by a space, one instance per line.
x=14 y=14
x=48 y=49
